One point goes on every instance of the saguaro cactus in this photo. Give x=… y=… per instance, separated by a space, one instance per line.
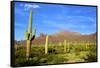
x=65 y=46
x=29 y=36
x=86 y=45
x=68 y=46
x=46 y=45
x=60 y=43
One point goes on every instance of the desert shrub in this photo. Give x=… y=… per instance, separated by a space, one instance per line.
x=56 y=55
x=92 y=48
x=91 y=57
x=20 y=53
x=51 y=50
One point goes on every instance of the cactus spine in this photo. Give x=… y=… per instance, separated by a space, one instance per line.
x=65 y=46
x=46 y=45
x=29 y=36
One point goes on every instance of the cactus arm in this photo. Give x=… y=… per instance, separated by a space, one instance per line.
x=33 y=35
x=34 y=31
x=26 y=35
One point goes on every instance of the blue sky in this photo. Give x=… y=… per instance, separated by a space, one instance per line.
x=51 y=18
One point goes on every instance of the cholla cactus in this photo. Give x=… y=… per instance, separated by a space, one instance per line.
x=29 y=36
x=46 y=45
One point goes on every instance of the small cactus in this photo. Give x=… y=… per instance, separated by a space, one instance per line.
x=68 y=46
x=46 y=45
x=60 y=43
x=86 y=45
x=65 y=46
x=29 y=36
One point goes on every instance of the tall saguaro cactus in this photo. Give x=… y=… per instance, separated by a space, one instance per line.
x=46 y=45
x=29 y=36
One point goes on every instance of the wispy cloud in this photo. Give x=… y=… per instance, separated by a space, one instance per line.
x=81 y=18
x=20 y=25
x=29 y=6
x=91 y=19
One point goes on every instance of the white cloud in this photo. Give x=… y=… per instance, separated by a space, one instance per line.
x=91 y=19
x=29 y=6
x=81 y=18
x=18 y=24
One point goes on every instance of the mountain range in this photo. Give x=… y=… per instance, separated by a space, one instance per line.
x=60 y=37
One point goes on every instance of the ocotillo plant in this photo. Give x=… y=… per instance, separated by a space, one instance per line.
x=29 y=36
x=46 y=45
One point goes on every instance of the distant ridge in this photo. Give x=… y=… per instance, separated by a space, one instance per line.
x=60 y=36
